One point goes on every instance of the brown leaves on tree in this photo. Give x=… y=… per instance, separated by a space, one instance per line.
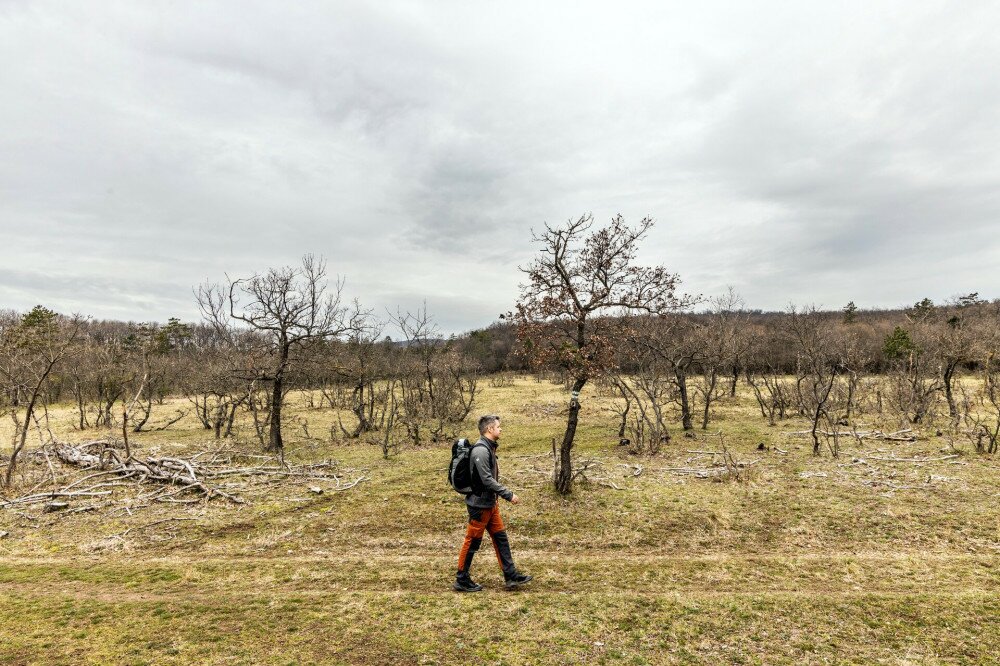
x=572 y=310
x=580 y=287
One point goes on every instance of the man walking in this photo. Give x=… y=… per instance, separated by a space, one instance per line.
x=484 y=514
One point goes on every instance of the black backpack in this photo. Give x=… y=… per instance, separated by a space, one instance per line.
x=460 y=470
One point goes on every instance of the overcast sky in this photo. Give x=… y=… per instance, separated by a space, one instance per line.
x=807 y=152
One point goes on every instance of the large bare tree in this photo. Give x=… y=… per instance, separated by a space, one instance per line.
x=579 y=287
x=273 y=318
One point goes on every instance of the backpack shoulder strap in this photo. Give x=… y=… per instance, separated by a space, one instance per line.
x=473 y=448
x=489 y=451
x=474 y=476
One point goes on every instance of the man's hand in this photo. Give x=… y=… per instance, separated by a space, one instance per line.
x=515 y=500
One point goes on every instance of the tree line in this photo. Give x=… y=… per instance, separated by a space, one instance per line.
x=587 y=313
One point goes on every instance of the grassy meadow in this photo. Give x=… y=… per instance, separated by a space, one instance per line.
x=812 y=560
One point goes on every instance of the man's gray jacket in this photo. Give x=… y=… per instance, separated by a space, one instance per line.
x=485 y=472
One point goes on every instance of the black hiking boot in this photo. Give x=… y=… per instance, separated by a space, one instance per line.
x=516 y=580
x=466 y=584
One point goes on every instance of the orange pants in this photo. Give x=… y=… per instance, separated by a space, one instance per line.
x=480 y=521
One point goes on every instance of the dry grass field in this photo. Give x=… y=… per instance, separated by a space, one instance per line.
x=857 y=560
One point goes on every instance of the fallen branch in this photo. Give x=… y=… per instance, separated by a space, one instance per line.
x=636 y=469
x=55 y=494
x=350 y=485
x=904 y=435
x=912 y=460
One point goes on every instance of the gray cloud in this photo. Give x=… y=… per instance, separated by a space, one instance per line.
x=805 y=152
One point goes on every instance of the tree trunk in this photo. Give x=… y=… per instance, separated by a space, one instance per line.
x=682 y=390
x=218 y=419
x=624 y=421
x=21 y=436
x=80 y=405
x=821 y=409
x=20 y=439
x=949 y=374
x=128 y=448
x=230 y=418
x=201 y=410
x=147 y=410
x=359 y=409
x=852 y=388
x=713 y=379
x=564 y=475
x=274 y=441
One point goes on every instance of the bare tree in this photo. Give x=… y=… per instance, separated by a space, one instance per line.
x=362 y=363
x=31 y=349
x=955 y=332
x=762 y=373
x=771 y=390
x=649 y=392
x=979 y=404
x=211 y=387
x=722 y=344
x=816 y=374
x=614 y=385
x=287 y=309
x=438 y=383
x=672 y=345
x=913 y=377
x=855 y=356
x=571 y=305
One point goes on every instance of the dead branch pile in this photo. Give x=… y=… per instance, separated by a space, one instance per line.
x=202 y=477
